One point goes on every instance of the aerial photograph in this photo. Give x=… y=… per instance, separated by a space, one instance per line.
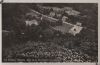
x=50 y=32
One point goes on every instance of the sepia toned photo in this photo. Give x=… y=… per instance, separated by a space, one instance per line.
x=50 y=32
